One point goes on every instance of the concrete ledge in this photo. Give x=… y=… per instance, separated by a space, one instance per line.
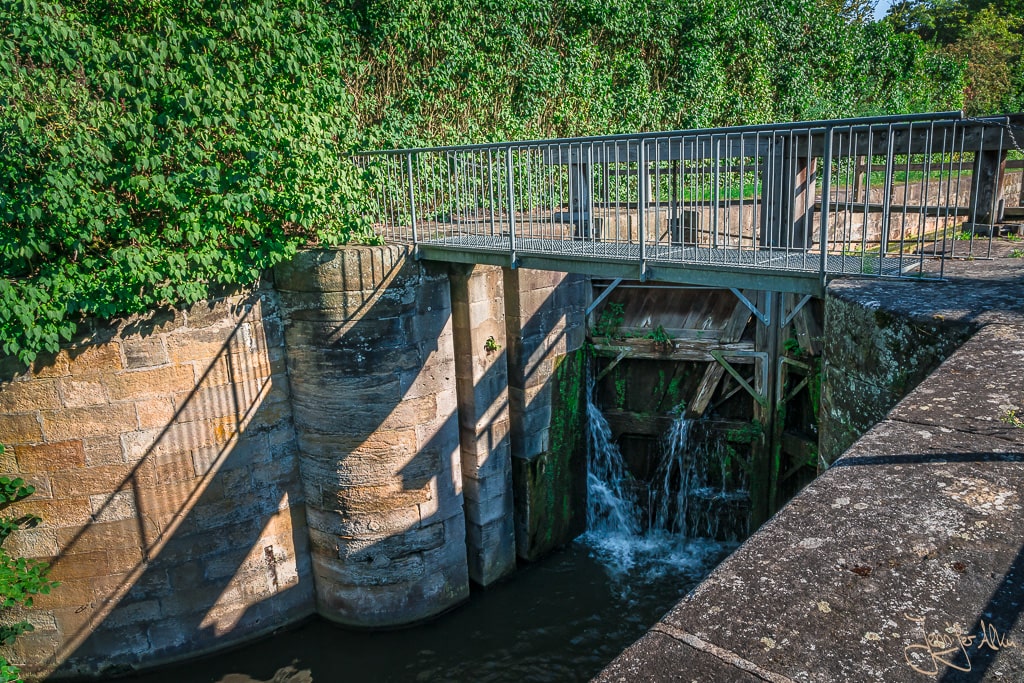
x=902 y=562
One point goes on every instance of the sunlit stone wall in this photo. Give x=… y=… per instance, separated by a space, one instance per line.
x=163 y=454
x=372 y=369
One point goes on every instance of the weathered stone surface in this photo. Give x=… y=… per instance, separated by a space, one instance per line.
x=432 y=581
x=658 y=656
x=76 y=423
x=373 y=396
x=110 y=431
x=20 y=428
x=478 y=322
x=25 y=396
x=903 y=561
x=144 y=352
x=341 y=270
x=94 y=359
x=51 y=457
x=885 y=337
x=157 y=382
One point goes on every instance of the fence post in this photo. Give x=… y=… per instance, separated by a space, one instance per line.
x=412 y=203
x=642 y=208
x=826 y=195
x=510 y=190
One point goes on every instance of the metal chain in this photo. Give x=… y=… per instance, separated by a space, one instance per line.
x=1009 y=127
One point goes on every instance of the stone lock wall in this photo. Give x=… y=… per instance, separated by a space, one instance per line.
x=164 y=460
x=872 y=360
x=544 y=314
x=372 y=367
x=209 y=475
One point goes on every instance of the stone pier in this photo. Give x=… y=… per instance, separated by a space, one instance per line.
x=478 y=312
x=372 y=371
x=358 y=436
x=544 y=318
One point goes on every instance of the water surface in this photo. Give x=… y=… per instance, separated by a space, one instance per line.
x=561 y=619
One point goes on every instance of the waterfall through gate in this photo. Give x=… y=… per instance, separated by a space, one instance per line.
x=616 y=527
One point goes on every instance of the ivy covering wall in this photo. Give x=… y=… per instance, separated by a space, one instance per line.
x=153 y=149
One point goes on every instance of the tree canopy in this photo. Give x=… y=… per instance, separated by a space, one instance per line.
x=986 y=36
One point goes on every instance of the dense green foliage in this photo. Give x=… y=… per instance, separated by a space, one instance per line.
x=150 y=149
x=20 y=579
x=464 y=70
x=141 y=164
x=986 y=35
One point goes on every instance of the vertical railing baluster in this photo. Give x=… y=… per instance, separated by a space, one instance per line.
x=412 y=202
x=510 y=189
x=642 y=210
x=826 y=191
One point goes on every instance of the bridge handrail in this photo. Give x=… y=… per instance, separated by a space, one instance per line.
x=875 y=195
x=797 y=126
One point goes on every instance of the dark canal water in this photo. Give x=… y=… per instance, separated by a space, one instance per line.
x=561 y=619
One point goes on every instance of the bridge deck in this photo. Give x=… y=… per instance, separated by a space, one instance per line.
x=768 y=268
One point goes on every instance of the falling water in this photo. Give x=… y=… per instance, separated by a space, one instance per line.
x=676 y=477
x=612 y=507
x=615 y=519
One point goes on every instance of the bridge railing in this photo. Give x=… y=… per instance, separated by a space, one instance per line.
x=875 y=196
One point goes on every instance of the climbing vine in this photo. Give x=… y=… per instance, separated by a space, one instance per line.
x=152 y=153
x=152 y=150
x=20 y=579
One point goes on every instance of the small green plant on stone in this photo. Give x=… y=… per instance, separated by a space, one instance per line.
x=610 y=321
x=20 y=579
x=490 y=346
x=1017 y=253
x=1011 y=418
x=963 y=235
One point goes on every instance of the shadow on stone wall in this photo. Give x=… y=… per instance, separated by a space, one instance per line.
x=195 y=494
x=171 y=510
x=371 y=365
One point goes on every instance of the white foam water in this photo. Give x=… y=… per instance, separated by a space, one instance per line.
x=615 y=532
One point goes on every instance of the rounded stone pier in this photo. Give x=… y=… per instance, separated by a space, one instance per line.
x=372 y=372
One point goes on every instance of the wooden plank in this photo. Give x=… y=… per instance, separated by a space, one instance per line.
x=694 y=351
x=611 y=366
x=713 y=374
x=677 y=333
x=803 y=452
x=646 y=424
x=805 y=325
x=989 y=169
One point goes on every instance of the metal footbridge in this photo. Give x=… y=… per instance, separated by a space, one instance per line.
x=780 y=207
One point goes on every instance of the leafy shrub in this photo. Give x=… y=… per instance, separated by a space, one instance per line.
x=141 y=164
x=151 y=149
x=20 y=579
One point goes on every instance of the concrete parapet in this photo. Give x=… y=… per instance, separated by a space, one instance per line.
x=372 y=371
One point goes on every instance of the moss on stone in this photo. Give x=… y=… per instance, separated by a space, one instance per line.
x=554 y=482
